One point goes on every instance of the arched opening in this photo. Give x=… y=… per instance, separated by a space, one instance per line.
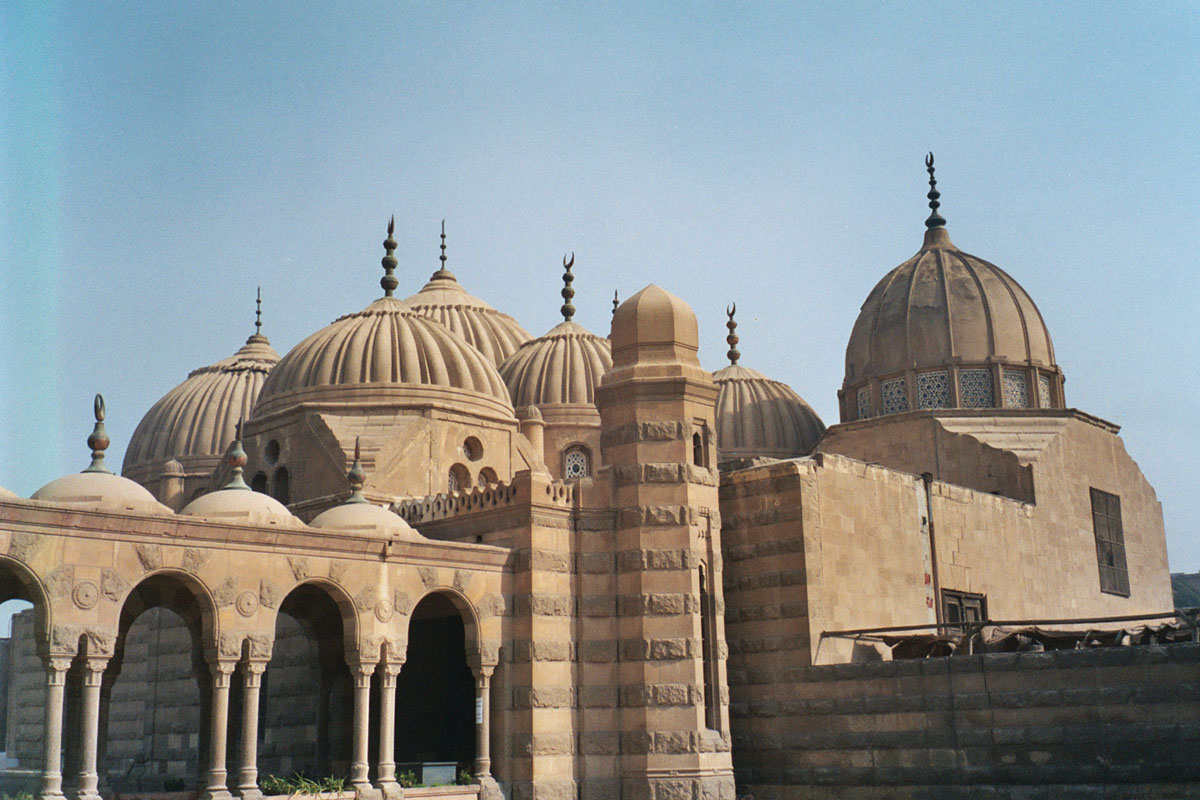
x=697 y=450
x=282 y=490
x=22 y=624
x=577 y=462
x=459 y=479
x=307 y=690
x=487 y=476
x=259 y=482
x=155 y=694
x=435 y=695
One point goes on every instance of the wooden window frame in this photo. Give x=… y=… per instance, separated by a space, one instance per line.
x=1110 y=543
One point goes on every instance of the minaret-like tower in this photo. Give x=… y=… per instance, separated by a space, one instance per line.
x=657 y=410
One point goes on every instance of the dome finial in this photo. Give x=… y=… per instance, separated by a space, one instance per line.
x=388 y=281
x=357 y=476
x=258 y=312
x=568 y=292
x=236 y=458
x=935 y=219
x=732 y=338
x=98 y=440
x=616 y=302
x=442 y=272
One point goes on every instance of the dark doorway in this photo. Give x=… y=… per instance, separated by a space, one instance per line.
x=435 y=691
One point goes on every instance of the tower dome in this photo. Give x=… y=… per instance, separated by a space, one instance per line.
x=557 y=375
x=947 y=329
x=188 y=428
x=444 y=300
x=563 y=367
x=758 y=417
x=387 y=353
x=96 y=488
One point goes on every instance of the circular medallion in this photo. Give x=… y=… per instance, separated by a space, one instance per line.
x=247 y=603
x=86 y=595
x=384 y=610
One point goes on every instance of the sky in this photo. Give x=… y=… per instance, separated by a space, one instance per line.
x=158 y=162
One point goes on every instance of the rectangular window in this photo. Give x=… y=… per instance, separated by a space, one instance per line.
x=960 y=608
x=1110 y=543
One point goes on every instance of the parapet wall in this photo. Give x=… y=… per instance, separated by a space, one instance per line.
x=1104 y=722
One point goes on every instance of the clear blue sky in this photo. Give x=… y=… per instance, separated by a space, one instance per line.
x=157 y=163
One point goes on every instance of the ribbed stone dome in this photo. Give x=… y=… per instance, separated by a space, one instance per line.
x=563 y=367
x=761 y=418
x=196 y=420
x=947 y=329
x=491 y=332
x=385 y=353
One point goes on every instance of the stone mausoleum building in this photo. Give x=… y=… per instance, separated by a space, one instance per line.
x=425 y=546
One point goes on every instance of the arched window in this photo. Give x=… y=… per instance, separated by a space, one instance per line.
x=577 y=462
x=486 y=476
x=459 y=479
x=259 y=482
x=282 y=490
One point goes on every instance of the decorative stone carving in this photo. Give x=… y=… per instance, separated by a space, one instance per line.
x=86 y=595
x=225 y=593
x=150 y=555
x=402 y=603
x=429 y=576
x=366 y=596
x=299 y=566
x=66 y=638
x=112 y=585
x=268 y=594
x=337 y=571
x=193 y=559
x=247 y=603
x=384 y=610
x=260 y=645
x=59 y=582
x=230 y=645
x=462 y=578
x=24 y=545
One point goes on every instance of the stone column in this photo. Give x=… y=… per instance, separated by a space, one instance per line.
x=89 y=736
x=360 y=766
x=386 y=776
x=483 y=725
x=219 y=731
x=56 y=684
x=247 y=785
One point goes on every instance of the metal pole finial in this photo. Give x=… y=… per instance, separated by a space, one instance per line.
x=258 y=312
x=388 y=281
x=935 y=219
x=568 y=291
x=357 y=476
x=732 y=338
x=236 y=459
x=616 y=302
x=98 y=441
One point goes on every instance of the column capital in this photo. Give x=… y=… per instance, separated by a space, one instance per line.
x=253 y=667
x=58 y=664
x=391 y=668
x=95 y=666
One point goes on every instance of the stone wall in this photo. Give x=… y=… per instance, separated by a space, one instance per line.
x=1106 y=722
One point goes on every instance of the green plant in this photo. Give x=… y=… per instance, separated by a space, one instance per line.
x=298 y=784
x=407 y=779
x=464 y=778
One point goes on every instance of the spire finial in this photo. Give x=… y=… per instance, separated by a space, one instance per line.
x=388 y=281
x=98 y=440
x=732 y=338
x=568 y=292
x=616 y=302
x=258 y=313
x=935 y=219
x=357 y=476
x=235 y=457
x=442 y=257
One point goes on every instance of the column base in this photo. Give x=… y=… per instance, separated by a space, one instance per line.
x=250 y=794
x=488 y=788
x=367 y=792
x=390 y=790
x=88 y=795
x=215 y=794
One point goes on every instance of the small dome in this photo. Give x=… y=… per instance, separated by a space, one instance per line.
x=761 y=418
x=491 y=332
x=654 y=325
x=563 y=367
x=947 y=329
x=100 y=491
x=366 y=519
x=6 y=494
x=196 y=419
x=388 y=352
x=241 y=507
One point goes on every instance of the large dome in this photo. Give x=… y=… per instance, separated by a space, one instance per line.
x=384 y=349
x=444 y=300
x=563 y=367
x=196 y=420
x=947 y=329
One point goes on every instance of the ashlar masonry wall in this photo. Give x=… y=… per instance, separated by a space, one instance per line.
x=1108 y=722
